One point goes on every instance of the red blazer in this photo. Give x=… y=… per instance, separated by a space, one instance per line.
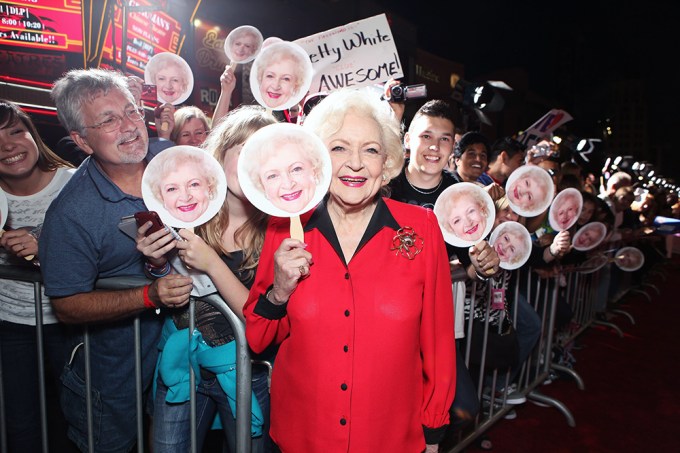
x=367 y=355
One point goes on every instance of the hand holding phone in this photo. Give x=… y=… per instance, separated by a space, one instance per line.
x=144 y=216
x=156 y=223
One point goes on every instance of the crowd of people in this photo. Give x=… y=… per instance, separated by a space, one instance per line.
x=359 y=319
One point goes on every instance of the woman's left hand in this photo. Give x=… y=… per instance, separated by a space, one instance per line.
x=228 y=80
x=195 y=252
x=432 y=448
x=561 y=244
x=20 y=242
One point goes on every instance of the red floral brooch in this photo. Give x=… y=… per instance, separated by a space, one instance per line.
x=407 y=243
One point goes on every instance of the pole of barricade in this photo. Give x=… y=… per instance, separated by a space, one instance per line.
x=243 y=374
x=88 y=391
x=138 y=387
x=3 y=429
x=117 y=283
x=37 y=296
x=192 y=380
x=551 y=304
x=468 y=346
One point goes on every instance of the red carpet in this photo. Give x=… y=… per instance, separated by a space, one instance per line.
x=631 y=401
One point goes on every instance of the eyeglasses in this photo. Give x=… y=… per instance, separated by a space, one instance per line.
x=113 y=122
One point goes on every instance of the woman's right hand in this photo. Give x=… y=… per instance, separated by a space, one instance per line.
x=292 y=263
x=484 y=259
x=196 y=253
x=156 y=245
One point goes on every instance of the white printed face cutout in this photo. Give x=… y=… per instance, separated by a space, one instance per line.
x=281 y=75
x=4 y=210
x=284 y=170
x=529 y=190
x=465 y=213
x=512 y=243
x=565 y=209
x=589 y=236
x=171 y=75
x=593 y=264
x=185 y=185
x=243 y=44
x=629 y=259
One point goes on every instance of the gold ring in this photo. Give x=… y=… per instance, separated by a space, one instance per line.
x=303 y=270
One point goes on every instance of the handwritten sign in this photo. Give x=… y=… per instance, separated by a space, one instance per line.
x=544 y=126
x=354 y=55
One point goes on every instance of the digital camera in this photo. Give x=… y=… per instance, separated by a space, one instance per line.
x=543 y=151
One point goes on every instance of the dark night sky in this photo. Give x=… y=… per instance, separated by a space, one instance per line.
x=606 y=40
x=591 y=43
x=492 y=34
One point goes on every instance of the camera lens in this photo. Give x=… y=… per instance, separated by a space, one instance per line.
x=397 y=91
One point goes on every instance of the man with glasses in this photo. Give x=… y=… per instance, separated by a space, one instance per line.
x=81 y=243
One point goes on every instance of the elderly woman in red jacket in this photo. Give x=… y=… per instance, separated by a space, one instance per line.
x=362 y=308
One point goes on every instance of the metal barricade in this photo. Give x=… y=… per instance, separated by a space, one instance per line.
x=545 y=303
x=542 y=294
x=243 y=364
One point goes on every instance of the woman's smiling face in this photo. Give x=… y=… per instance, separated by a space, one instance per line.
x=185 y=192
x=508 y=245
x=288 y=178
x=567 y=212
x=526 y=192
x=171 y=83
x=244 y=46
x=279 y=82
x=466 y=219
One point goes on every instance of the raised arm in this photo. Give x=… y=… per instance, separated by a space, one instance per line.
x=227 y=85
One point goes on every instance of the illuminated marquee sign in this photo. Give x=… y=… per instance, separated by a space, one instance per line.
x=42 y=24
x=148 y=33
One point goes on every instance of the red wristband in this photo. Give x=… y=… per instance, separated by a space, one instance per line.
x=148 y=303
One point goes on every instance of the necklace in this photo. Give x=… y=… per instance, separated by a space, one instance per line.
x=425 y=192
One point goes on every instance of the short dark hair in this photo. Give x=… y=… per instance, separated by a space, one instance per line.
x=436 y=108
x=470 y=138
x=507 y=144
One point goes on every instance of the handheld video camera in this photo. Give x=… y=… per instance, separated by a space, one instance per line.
x=400 y=93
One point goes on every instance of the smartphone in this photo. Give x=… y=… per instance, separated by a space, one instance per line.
x=144 y=216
